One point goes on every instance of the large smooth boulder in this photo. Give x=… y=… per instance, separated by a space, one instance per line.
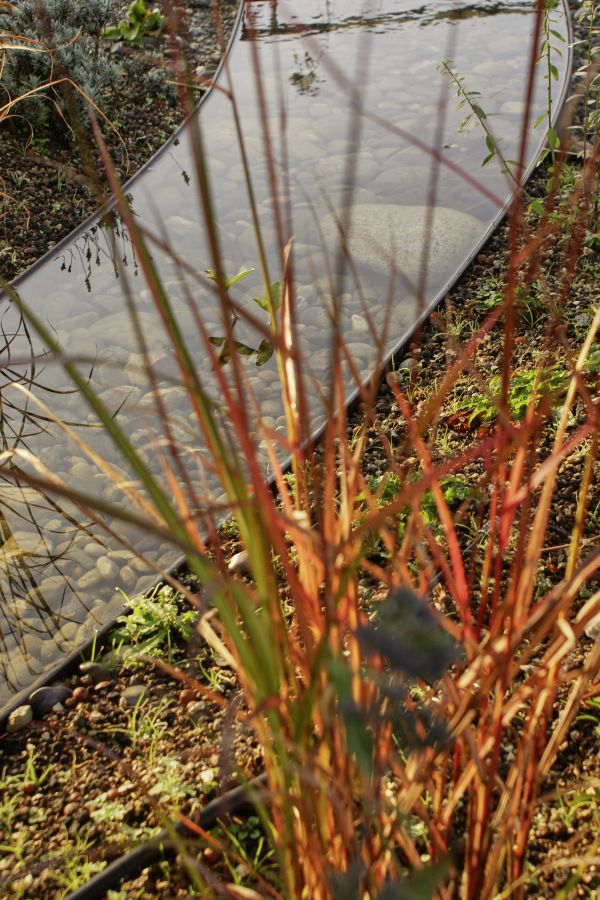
x=384 y=235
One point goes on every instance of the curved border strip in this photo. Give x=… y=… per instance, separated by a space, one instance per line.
x=129 y=865
x=67 y=663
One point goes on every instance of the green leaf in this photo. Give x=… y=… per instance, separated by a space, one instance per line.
x=244 y=349
x=229 y=282
x=553 y=139
x=132 y=32
x=264 y=303
x=421 y=886
x=479 y=111
x=113 y=33
x=536 y=207
x=265 y=352
x=244 y=272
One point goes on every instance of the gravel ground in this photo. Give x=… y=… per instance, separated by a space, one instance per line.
x=96 y=774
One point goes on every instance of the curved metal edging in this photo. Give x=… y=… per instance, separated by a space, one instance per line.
x=128 y=865
x=68 y=663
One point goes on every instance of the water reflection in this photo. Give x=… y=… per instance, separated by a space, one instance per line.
x=277 y=19
x=96 y=245
x=61 y=563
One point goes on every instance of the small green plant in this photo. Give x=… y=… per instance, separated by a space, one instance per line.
x=548 y=51
x=456 y=490
x=488 y=295
x=247 y=840
x=9 y=801
x=154 y=620
x=230 y=530
x=591 y=714
x=570 y=802
x=386 y=487
x=455 y=325
x=105 y=811
x=270 y=303
x=146 y=728
x=168 y=785
x=19 y=179
x=12 y=784
x=212 y=675
x=524 y=387
x=469 y=102
x=40 y=145
x=138 y=23
x=31 y=774
x=77 y=867
x=591 y=97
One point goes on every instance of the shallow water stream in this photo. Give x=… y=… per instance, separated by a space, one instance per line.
x=365 y=90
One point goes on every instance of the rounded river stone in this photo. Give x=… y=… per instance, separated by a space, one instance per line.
x=383 y=234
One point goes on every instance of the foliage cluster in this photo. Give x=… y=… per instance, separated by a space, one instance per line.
x=47 y=41
x=138 y=23
x=152 y=624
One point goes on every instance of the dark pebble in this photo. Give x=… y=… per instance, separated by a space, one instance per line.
x=197 y=711
x=45 y=698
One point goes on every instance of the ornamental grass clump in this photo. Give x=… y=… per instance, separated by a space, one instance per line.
x=405 y=730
